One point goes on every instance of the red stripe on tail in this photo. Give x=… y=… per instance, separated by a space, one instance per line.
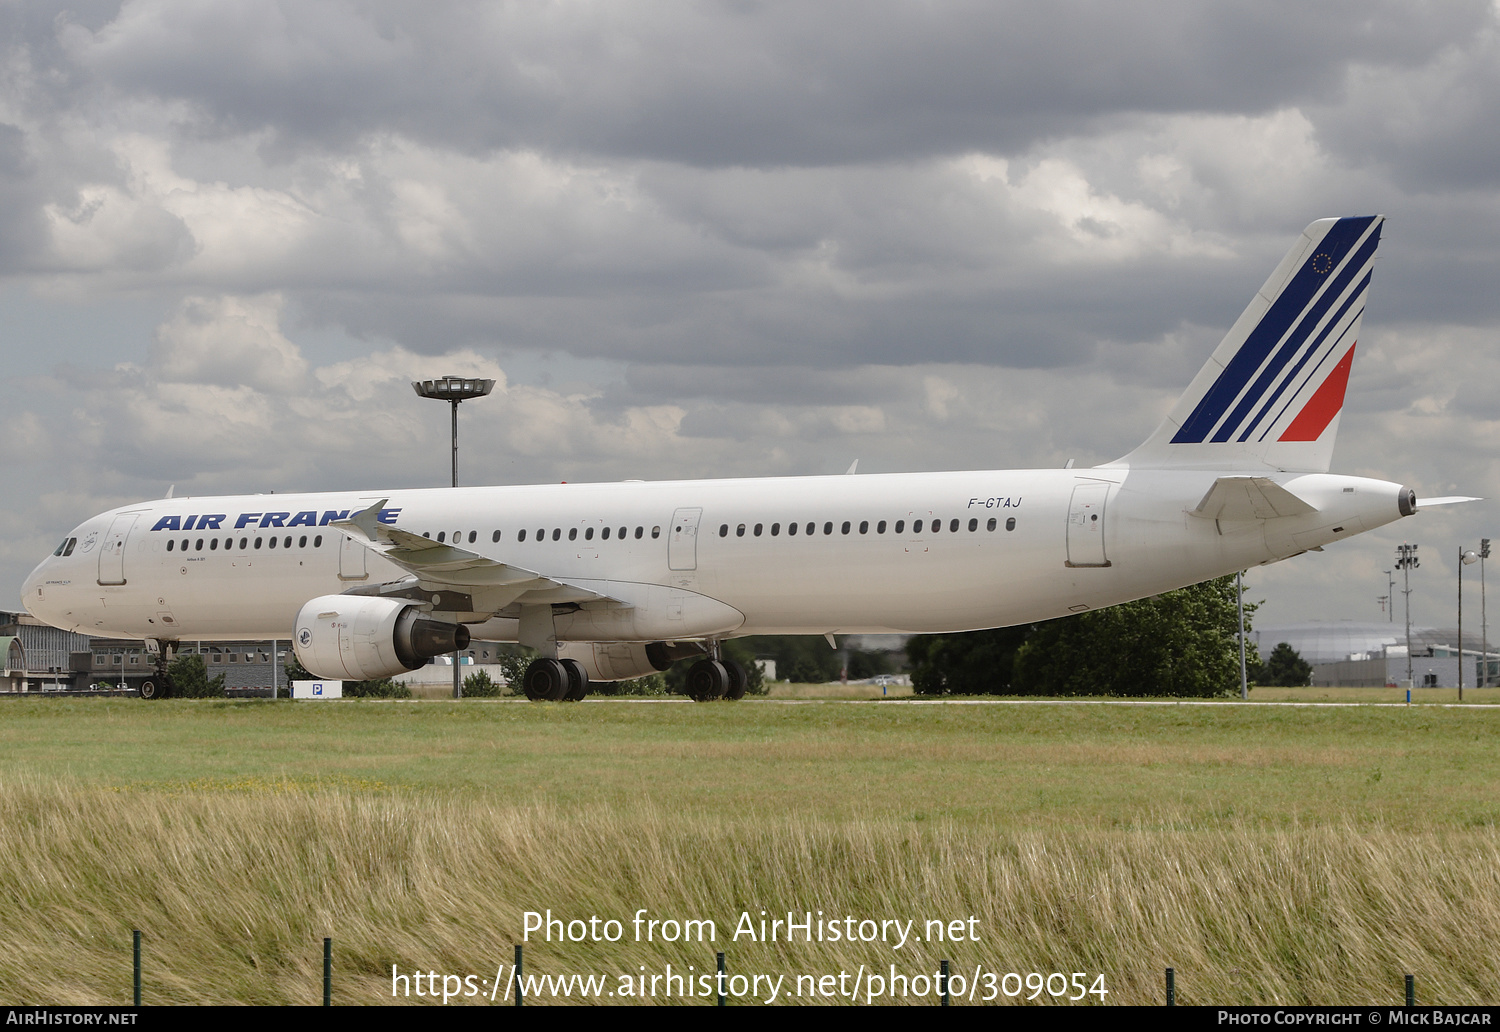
x=1323 y=405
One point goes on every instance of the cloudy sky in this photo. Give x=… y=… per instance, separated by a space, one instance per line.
x=725 y=239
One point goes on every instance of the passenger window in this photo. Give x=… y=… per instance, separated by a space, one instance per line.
x=845 y=528
x=521 y=534
x=213 y=544
x=723 y=530
x=588 y=535
x=758 y=528
x=198 y=545
x=973 y=525
x=273 y=542
x=1010 y=524
x=880 y=527
x=258 y=541
x=318 y=541
x=638 y=532
x=900 y=525
x=775 y=529
x=572 y=533
x=916 y=528
x=541 y=535
x=864 y=526
x=827 y=528
x=302 y=541
x=953 y=527
x=740 y=531
x=472 y=535
x=621 y=535
x=242 y=544
x=495 y=536
x=288 y=542
x=458 y=536
x=791 y=530
x=442 y=536
x=427 y=534
x=991 y=524
x=935 y=527
x=655 y=532
x=170 y=543
x=556 y=533
x=604 y=536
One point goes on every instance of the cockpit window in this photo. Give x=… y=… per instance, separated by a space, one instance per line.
x=60 y=546
x=68 y=546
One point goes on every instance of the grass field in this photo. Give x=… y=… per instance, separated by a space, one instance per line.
x=1268 y=854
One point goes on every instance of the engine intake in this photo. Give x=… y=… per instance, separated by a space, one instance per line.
x=353 y=638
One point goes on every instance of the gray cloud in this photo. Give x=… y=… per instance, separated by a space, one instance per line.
x=723 y=239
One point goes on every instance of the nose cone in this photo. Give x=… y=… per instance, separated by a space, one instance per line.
x=33 y=594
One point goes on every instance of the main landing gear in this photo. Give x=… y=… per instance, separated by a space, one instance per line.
x=710 y=679
x=564 y=680
x=555 y=680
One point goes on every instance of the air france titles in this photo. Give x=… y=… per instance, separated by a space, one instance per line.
x=262 y=520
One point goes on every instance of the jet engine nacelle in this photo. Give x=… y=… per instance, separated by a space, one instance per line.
x=358 y=638
x=622 y=661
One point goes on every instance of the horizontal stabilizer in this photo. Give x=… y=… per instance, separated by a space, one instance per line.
x=1250 y=498
x=1425 y=503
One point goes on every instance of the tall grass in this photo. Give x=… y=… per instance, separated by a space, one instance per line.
x=235 y=882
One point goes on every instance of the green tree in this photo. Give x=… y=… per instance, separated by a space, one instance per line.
x=479 y=685
x=189 y=679
x=975 y=663
x=1286 y=668
x=1178 y=643
x=1181 y=643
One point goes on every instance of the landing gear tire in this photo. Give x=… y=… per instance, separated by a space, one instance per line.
x=545 y=680
x=707 y=680
x=154 y=688
x=578 y=680
x=738 y=681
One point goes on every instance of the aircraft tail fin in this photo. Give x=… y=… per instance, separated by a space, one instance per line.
x=1271 y=394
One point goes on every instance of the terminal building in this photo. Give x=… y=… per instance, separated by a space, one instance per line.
x=1353 y=653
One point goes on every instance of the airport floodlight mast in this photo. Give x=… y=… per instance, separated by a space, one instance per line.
x=1406 y=560
x=1464 y=559
x=1484 y=625
x=454 y=389
x=1388 y=605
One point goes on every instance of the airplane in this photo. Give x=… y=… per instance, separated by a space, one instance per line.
x=612 y=581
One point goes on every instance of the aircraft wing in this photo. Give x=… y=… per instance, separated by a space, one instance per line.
x=490 y=585
x=1249 y=498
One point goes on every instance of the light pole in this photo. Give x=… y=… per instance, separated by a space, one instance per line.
x=1406 y=559
x=1390 y=596
x=1484 y=625
x=1239 y=583
x=1464 y=559
x=454 y=389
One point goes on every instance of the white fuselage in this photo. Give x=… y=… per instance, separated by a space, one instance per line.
x=1081 y=539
